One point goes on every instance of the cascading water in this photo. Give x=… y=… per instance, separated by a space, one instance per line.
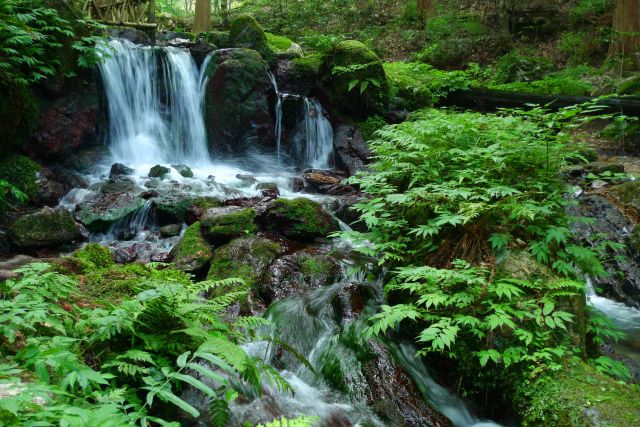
x=155 y=99
x=278 y=109
x=313 y=141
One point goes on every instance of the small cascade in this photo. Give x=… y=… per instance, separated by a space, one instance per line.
x=627 y=318
x=130 y=227
x=155 y=99
x=278 y=107
x=313 y=141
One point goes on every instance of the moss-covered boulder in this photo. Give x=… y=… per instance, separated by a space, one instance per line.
x=20 y=171
x=94 y=256
x=220 y=39
x=630 y=86
x=100 y=213
x=247 y=258
x=246 y=32
x=47 y=228
x=238 y=102
x=173 y=206
x=198 y=206
x=283 y=47
x=299 y=219
x=577 y=396
x=355 y=80
x=192 y=253
x=220 y=225
x=158 y=171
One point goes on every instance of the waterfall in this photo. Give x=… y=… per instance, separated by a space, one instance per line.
x=155 y=99
x=313 y=141
x=278 y=115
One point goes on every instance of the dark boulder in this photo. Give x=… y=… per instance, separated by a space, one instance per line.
x=298 y=219
x=46 y=228
x=238 y=102
x=246 y=32
x=159 y=171
x=100 y=213
x=352 y=153
x=118 y=169
x=50 y=191
x=133 y=35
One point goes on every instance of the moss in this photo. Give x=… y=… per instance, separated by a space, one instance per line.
x=578 y=396
x=18 y=113
x=21 y=172
x=94 y=255
x=192 y=253
x=49 y=227
x=226 y=225
x=299 y=218
x=246 y=32
x=317 y=266
x=98 y=215
x=351 y=61
x=309 y=64
x=159 y=171
x=630 y=86
x=278 y=44
x=247 y=258
x=121 y=281
x=219 y=38
x=173 y=207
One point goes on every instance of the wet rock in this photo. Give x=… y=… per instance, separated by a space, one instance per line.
x=184 y=170
x=352 y=153
x=394 y=396
x=198 y=206
x=120 y=169
x=193 y=253
x=296 y=273
x=125 y=253
x=238 y=101
x=133 y=35
x=49 y=191
x=598 y=168
x=297 y=184
x=320 y=177
x=170 y=230
x=220 y=225
x=623 y=265
x=247 y=179
x=246 y=32
x=351 y=300
x=46 y=228
x=628 y=194
x=98 y=214
x=297 y=219
x=269 y=189
x=158 y=171
x=149 y=194
x=118 y=184
x=68 y=124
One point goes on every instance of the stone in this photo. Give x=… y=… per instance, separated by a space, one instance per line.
x=246 y=32
x=352 y=153
x=247 y=179
x=100 y=213
x=319 y=177
x=298 y=219
x=297 y=184
x=170 y=230
x=184 y=170
x=598 y=168
x=269 y=189
x=120 y=169
x=220 y=225
x=158 y=171
x=46 y=228
x=193 y=253
x=118 y=184
x=238 y=102
x=353 y=102
x=49 y=191
x=198 y=206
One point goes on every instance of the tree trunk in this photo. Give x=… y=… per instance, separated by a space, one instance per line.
x=426 y=8
x=202 y=17
x=625 y=39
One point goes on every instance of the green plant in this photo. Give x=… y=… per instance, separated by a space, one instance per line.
x=518 y=67
x=8 y=193
x=73 y=365
x=447 y=187
x=361 y=82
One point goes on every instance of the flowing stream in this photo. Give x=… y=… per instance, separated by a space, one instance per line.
x=155 y=102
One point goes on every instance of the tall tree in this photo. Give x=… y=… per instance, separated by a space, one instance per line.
x=202 y=17
x=626 y=30
x=426 y=8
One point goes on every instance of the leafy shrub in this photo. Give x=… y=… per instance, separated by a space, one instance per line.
x=588 y=11
x=569 y=81
x=518 y=67
x=448 y=187
x=95 y=255
x=369 y=127
x=73 y=365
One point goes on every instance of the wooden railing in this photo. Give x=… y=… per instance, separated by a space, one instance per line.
x=128 y=13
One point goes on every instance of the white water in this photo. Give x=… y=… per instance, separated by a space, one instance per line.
x=313 y=141
x=278 y=109
x=155 y=99
x=627 y=318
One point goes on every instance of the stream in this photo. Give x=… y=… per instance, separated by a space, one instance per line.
x=155 y=105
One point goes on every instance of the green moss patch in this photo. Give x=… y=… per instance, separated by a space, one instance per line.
x=219 y=225
x=299 y=219
x=94 y=255
x=20 y=171
x=193 y=252
x=49 y=227
x=279 y=44
x=246 y=32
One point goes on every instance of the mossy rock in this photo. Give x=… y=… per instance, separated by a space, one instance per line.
x=247 y=258
x=192 y=253
x=299 y=219
x=355 y=80
x=220 y=225
x=20 y=171
x=218 y=38
x=159 y=171
x=283 y=47
x=578 y=396
x=47 y=228
x=121 y=281
x=94 y=256
x=628 y=193
x=173 y=206
x=630 y=86
x=19 y=111
x=99 y=214
x=308 y=65
x=246 y=32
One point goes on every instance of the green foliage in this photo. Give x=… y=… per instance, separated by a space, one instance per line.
x=569 y=81
x=17 y=181
x=118 y=365
x=518 y=67
x=94 y=256
x=8 y=194
x=278 y=44
x=447 y=186
x=369 y=127
x=31 y=36
x=589 y=11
